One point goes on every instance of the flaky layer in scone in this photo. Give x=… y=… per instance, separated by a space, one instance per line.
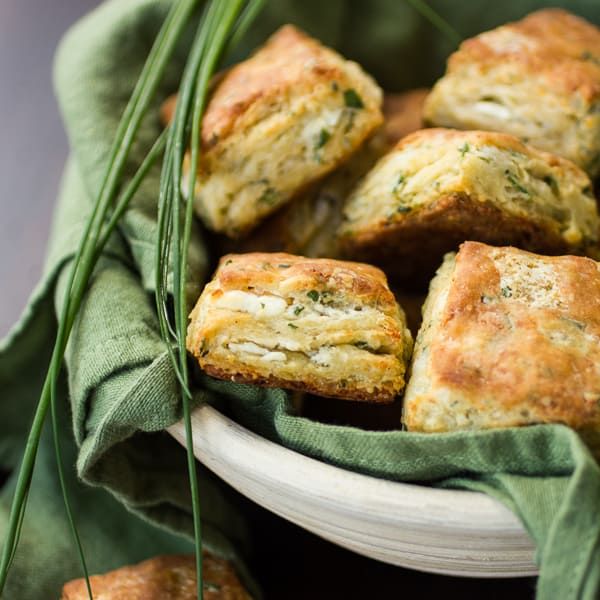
x=169 y=577
x=508 y=338
x=538 y=79
x=276 y=123
x=440 y=187
x=324 y=326
x=308 y=224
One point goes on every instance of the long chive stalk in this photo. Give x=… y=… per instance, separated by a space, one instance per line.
x=85 y=260
x=215 y=33
x=436 y=20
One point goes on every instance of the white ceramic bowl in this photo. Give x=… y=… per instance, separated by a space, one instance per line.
x=440 y=531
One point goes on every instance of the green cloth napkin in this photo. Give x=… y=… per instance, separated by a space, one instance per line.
x=120 y=393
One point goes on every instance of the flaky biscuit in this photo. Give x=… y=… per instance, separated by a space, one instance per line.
x=440 y=187
x=538 y=79
x=508 y=338
x=324 y=326
x=276 y=123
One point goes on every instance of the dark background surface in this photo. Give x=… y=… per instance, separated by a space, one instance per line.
x=292 y=564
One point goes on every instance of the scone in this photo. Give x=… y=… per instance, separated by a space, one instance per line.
x=170 y=577
x=538 y=79
x=440 y=187
x=276 y=123
x=324 y=326
x=308 y=224
x=508 y=338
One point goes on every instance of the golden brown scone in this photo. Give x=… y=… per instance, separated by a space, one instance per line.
x=308 y=224
x=170 y=577
x=277 y=123
x=538 y=79
x=324 y=326
x=440 y=187
x=508 y=338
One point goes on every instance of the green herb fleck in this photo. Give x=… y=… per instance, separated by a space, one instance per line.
x=515 y=183
x=313 y=295
x=324 y=137
x=284 y=266
x=269 y=197
x=587 y=55
x=334 y=86
x=550 y=181
x=228 y=262
x=403 y=209
x=203 y=348
x=401 y=181
x=299 y=309
x=506 y=291
x=292 y=326
x=352 y=99
x=361 y=345
x=464 y=149
x=262 y=304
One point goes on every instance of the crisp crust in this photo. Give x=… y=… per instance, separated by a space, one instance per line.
x=509 y=338
x=265 y=271
x=277 y=123
x=411 y=249
x=538 y=78
x=169 y=577
x=328 y=327
x=440 y=187
x=551 y=43
x=288 y=59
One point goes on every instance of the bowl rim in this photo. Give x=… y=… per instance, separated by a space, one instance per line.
x=456 y=532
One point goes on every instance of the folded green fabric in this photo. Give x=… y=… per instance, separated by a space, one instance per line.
x=121 y=390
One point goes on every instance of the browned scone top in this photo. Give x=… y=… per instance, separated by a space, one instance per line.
x=275 y=124
x=538 y=78
x=325 y=326
x=508 y=338
x=169 y=577
x=440 y=187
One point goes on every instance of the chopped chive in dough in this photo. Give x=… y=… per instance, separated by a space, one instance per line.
x=361 y=344
x=298 y=310
x=324 y=137
x=506 y=291
x=464 y=149
x=313 y=295
x=228 y=262
x=515 y=183
x=269 y=197
x=292 y=326
x=284 y=266
x=352 y=99
x=550 y=181
x=403 y=209
x=401 y=181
